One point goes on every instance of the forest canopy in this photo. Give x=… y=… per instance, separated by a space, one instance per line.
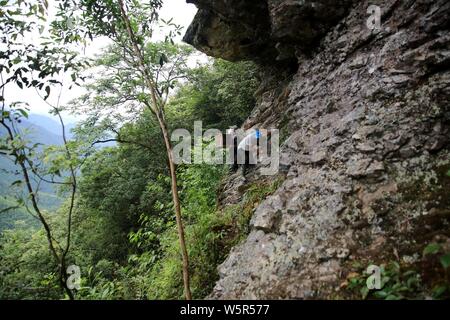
x=112 y=173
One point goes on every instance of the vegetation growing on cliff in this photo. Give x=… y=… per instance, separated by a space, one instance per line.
x=125 y=239
x=364 y=126
x=120 y=217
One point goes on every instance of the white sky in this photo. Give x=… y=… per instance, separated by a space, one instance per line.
x=182 y=14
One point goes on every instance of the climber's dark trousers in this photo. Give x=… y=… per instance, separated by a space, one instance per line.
x=247 y=163
x=235 y=152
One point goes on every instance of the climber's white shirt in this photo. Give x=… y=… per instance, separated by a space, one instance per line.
x=249 y=142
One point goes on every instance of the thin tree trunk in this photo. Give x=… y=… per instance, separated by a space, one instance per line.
x=60 y=261
x=158 y=111
x=63 y=279
x=177 y=205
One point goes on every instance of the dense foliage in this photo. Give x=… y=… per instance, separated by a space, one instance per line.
x=114 y=176
x=124 y=233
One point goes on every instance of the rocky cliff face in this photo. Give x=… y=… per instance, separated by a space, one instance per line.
x=364 y=116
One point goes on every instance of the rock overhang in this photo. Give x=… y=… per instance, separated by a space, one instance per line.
x=262 y=31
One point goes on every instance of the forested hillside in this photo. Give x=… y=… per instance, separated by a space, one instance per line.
x=37 y=129
x=124 y=234
x=347 y=101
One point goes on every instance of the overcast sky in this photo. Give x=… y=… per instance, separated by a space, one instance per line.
x=182 y=14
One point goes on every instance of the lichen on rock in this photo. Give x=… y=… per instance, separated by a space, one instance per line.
x=366 y=142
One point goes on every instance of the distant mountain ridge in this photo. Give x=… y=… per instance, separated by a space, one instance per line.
x=38 y=129
x=49 y=124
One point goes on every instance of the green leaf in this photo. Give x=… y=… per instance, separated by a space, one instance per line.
x=395 y=265
x=438 y=291
x=23 y=112
x=17 y=182
x=47 y=91
x=163 y=59
x=409 y=273
x=385 y=280
x=448 y=173
x=445 y=260
x=364 y=292
x=412 y=281
x=397 y=286
x=432 y=248
x=380 y=294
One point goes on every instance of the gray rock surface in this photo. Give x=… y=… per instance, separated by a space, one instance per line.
x=366 y=117
x=261 y=30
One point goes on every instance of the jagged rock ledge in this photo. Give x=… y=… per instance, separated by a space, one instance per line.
x=261 y=30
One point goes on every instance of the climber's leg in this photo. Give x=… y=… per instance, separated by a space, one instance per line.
x=234 y=149
x=247 y=162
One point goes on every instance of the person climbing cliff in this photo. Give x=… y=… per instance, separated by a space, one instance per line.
x=249 y=148
x=230 y=143
x=245 y=151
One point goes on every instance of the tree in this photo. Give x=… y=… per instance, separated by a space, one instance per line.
x=130 y=25
x=220 y=93
x=35 y=66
